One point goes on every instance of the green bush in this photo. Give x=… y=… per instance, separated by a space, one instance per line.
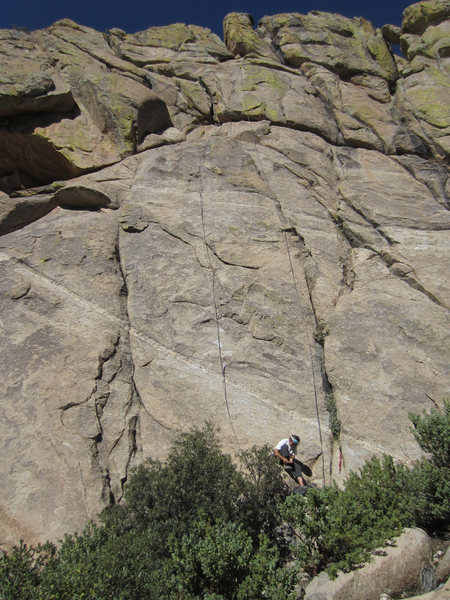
x=261 y=491
x=195 y=518
x=212 y=559
x=20 y=570
x=333 y=419
x=96 y=565
x=310 y=520
x=429 y=480
x=196 y=476
x=432 y=433
x=268 y=576
x=197 y=527
x=337 y=529
x=221 y=562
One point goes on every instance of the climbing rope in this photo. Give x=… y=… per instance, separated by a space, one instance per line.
x=306 y=334
x=296 y=287
x=222 y=363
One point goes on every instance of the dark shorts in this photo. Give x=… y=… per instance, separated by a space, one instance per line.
x=294 y=469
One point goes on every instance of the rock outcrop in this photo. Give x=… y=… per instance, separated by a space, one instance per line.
x=401 y=569
x=197 y=231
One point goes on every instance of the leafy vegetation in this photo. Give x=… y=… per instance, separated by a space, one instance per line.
x=429 y=480
x=198 y=526
x=335 y=424
x=339 y=529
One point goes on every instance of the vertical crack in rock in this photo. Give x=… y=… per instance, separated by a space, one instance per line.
x=210 y=118
x=109 y=417
x=431 y=174
x=124 y=445
x=108 y=369
x=308 y=272
x=386 y=252
x=133 y=222
x=315 y=350
x=105 y=422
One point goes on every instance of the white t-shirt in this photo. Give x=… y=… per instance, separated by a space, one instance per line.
x=281 y=443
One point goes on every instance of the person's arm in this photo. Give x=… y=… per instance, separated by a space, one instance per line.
x=282 y=458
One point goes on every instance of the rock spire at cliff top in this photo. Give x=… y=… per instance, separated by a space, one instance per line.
x=179 y=215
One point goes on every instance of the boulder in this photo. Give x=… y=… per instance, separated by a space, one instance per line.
x=425 y=42
x=442 y=592
x=443 y=567
x=401 y=568
x=241 y=39
x=17 y=212
x=71 y=105
x=346 y=46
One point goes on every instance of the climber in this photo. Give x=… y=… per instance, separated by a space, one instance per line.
x=286 y=450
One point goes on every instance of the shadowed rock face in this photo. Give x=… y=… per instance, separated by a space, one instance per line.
x=185 y=223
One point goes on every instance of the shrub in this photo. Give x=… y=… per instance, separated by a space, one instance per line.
x=339 y=529
x=429 y=480
x=211 y=559
x=262 y=490
x=221 y=562
x=333 y=419
x=197 y=527
x=310 y=520
x=20 y=571
x=98 y=565
x=168 y=497
x=268 y=576
x=432 y=433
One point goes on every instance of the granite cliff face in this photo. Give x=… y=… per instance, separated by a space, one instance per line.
x=197 y=231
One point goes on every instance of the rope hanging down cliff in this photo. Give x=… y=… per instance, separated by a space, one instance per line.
x=223 y=365
x=296 y=287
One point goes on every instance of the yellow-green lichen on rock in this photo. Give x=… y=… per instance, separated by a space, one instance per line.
x=255 y=77
x=425 y=85
x=437 y=40
x=418 y=16
x=434 y=43
x=260 y=92
x=105 y=80
x=241 y=39
x=346 y=46
x=206 y=42
x=195 y=95
x=431 y=101
x=170 y=36
x=162 y=45
x=181 y=37
x=80 y=142
x=381 y=53
x=255 y=108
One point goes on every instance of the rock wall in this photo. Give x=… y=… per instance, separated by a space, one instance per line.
x=196 y=231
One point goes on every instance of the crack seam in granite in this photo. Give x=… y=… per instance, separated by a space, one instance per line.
x=143 y=337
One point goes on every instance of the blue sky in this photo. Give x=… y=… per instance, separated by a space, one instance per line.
x=136 y=15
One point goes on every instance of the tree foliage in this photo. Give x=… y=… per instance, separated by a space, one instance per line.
x=198 y=526
x=195 y=526
x=338 y=529
x=429 y=480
